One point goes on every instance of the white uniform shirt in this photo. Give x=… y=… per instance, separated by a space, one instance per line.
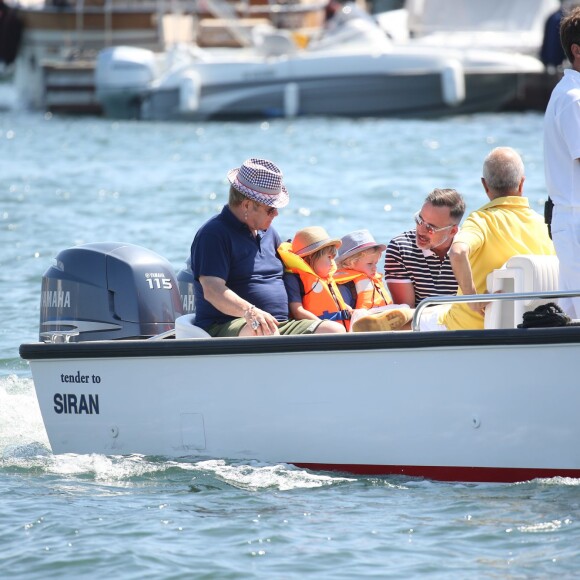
x=562 y=141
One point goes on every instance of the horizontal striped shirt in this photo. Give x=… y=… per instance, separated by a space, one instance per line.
x=406 y=262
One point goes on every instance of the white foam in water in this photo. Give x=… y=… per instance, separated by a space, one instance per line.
x=104 y=468
x=256 y=477
x=543 y=527
x=24 y=444
x=21 y=425
x=559 y=481
x=101 y=468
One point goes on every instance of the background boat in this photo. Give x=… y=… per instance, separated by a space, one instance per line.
x=55 y=65
x=351 y=69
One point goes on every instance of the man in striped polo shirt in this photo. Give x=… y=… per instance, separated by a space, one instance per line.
x=416 y=262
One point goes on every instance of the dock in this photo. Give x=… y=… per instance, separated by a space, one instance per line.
x=55 y=65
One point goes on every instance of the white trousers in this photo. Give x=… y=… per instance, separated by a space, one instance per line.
x=430 y=317
x=566 y=237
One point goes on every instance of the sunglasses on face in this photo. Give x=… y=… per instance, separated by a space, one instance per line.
x=430 y=228
x=269 y=210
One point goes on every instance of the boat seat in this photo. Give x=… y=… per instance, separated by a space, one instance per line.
x=185 y=328
x=529 y=273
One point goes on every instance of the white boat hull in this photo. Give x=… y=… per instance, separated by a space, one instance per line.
x=348 y=88
x=470 y=406
x=353 y=71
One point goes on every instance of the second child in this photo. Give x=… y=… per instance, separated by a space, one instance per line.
x=362 y=286
x=359 y=282
x=312 y=291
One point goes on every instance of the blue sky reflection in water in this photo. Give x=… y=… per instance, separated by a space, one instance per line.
x=75 y=180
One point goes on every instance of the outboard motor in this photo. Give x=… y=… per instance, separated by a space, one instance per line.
x=123 y=76
x=186 y=291
x=105 y=291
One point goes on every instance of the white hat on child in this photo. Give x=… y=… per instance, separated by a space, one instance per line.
x=356 y=242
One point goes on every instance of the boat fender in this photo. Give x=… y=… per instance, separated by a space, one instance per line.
x=291 y=100
x=453 y=83
x=300 y=39
x=189 y=92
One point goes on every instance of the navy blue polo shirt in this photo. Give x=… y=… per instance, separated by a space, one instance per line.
x=224 y=247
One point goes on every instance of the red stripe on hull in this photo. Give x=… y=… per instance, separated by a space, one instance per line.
x=472 y=474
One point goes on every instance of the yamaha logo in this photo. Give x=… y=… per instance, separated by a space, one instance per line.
x=55 y=299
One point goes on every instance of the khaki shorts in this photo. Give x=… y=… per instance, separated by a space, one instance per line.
x=234 y=327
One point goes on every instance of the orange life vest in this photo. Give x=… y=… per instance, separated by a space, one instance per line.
x=370 y=292
x=321 y=296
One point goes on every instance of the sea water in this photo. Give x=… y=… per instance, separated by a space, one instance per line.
x=67 y=181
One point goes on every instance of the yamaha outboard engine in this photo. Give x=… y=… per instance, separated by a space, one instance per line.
x=185 y=282
x=106 y=291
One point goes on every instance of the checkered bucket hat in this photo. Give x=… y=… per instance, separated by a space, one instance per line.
x=261 y=181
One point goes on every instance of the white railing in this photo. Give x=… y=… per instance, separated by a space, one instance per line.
x=487 y=298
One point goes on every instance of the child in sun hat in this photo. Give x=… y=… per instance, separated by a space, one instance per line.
x=312 y=291
x=362 y=286
x=359 y=282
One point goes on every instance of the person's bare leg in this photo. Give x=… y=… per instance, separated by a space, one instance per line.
x=329 y=326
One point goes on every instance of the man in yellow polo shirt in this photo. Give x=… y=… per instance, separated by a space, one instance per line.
x=502 y=228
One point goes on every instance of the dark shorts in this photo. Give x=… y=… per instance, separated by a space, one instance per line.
x=234 y=327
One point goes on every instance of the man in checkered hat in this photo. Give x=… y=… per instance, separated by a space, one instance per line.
x=238 y=284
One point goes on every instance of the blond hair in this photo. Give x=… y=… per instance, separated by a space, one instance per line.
x=311 y=258
x=348 y=262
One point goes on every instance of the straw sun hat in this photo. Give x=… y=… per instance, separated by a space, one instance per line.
x=356 y=242
x=260 y=180
x=312 y=239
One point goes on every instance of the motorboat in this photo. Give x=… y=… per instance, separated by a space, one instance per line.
x=352 y=69
x=119 y=369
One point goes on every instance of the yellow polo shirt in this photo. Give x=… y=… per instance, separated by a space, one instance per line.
x=502 y=228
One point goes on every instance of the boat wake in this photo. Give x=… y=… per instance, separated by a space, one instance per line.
x=21 y=425
x=255 y=477
x=131 y=470
x=24 y=448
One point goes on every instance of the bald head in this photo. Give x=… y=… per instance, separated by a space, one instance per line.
x=503 y=173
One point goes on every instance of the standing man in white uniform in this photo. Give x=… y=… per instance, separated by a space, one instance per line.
x=562 y=162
